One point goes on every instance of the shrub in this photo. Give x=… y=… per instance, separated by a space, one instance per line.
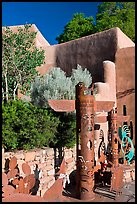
x=56 y=85
x=9 y=118
x=66 y=134
x=26 y=126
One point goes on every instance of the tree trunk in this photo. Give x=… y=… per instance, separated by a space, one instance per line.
x=14 y=92
x=6 y=84
x=3 y=94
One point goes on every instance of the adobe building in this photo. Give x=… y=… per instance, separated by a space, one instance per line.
x=90 y=52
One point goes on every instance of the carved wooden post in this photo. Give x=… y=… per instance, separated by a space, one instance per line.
x=85 y=142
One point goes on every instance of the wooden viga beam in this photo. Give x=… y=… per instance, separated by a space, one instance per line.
x=100 y=106
x=62 y=105
x=120 y=119
x=69 y=105
x=123 y=118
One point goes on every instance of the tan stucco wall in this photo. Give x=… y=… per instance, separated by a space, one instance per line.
x=89 y=52
x=40 y=40
x=125 y=86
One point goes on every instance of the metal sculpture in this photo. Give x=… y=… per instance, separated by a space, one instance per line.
x=85 y=139
x=114 y=134
x=127 y=146
x=16 y=188
x=85 y=113
x=13 y=182
x=116 y=170
x=86 y=107
x=116 y=179
x=102 y=146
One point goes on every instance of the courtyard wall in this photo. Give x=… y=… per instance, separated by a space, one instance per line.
x=48 y=161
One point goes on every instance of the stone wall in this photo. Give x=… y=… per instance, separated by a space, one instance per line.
x=44 y=163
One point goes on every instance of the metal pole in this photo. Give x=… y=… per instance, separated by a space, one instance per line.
x=114 y=137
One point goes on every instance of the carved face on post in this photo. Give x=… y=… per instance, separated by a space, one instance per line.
x=87 y=125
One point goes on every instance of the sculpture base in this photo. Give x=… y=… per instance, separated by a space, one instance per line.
x=87 y=196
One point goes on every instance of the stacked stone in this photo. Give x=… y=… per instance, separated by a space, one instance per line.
x=42 y=164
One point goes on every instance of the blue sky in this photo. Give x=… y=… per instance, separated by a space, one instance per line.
x=49 y=17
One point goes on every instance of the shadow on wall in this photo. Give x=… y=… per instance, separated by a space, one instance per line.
x=35 y=189
x=6 y=167
x=58 y=157
x=89 y=52
x=125 y=93
x=70 y=189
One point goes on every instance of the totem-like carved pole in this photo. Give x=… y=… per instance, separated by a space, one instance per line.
x=85 y=142
x=114 y=132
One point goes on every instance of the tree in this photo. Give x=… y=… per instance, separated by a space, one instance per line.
x=117 y=14
x=78 y=27
x=109 y=15
x=66 y=130
x=20 y=57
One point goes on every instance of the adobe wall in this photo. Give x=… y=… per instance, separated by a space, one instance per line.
x=39 y=40
x=125 y=86
x=105 y=92
x=89 y=52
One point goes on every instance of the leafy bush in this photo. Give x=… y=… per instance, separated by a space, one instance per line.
x=66 y=131
x=80 y=75
x=56 y=85
x=26 y=126
x=9 y=118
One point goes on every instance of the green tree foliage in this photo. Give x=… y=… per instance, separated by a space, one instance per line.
x=56 y=85
x=78 y=27
x=66 y=134
x=20 y=57
x=25 y=126
x=117 y=14
x=109 y=15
